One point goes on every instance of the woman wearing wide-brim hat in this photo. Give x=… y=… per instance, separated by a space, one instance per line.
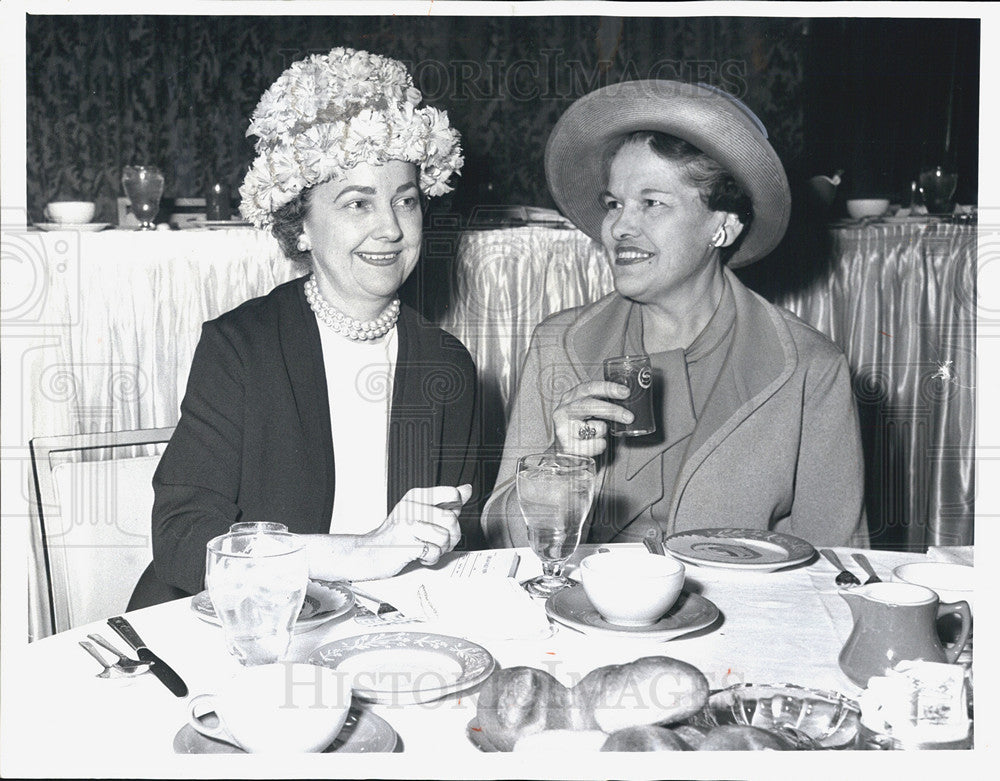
x=756 y=422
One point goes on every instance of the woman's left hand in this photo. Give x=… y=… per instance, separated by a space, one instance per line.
x=422 y=526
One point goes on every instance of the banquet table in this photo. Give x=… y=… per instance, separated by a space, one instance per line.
x=784 y=626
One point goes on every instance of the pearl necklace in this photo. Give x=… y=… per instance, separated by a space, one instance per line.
x=347 y=326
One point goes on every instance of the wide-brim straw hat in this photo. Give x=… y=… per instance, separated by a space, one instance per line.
x=716 y=123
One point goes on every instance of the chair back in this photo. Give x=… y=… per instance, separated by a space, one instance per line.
x=94 y=498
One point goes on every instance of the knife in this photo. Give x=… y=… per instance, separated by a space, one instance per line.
x=157 y=666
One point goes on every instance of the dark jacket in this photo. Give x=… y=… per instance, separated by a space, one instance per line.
x=254 y=438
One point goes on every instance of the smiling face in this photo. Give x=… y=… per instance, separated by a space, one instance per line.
x=657 y=230
x=365 y=232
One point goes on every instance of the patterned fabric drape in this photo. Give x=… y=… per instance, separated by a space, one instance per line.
x=177 y=91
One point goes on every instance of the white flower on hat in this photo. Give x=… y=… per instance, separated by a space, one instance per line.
x=328 y=113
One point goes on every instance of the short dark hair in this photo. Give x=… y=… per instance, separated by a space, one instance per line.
x=719 y=189
x=287 y=226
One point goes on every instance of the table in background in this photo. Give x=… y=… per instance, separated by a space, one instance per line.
x=781 y=627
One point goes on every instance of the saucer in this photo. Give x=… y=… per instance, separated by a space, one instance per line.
x=86 y=227
x=750 y=549
x=213 y=224
x=689 y=613
x=401 y=668
x=325 y=600
x=363 y=733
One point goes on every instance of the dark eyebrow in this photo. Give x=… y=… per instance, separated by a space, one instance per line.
x=371 y=190
x=356 y=189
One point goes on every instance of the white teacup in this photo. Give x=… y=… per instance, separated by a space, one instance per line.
x=632 y=588
x=951 y=582
x=71 y=212
x=286 y=707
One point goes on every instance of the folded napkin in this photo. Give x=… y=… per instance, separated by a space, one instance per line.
x=487 y=607
x=953 y=554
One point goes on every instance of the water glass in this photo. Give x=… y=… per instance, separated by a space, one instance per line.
x=938 y=188
x=257 y=526
x=636 y=373
x=257 y=583
x=143 y=184
x=554 y=491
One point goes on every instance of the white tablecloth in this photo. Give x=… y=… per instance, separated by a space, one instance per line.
x=779 y=627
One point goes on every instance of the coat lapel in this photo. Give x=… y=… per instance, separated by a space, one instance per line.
x=761 y=358
x=416 y=420
x=302 y=353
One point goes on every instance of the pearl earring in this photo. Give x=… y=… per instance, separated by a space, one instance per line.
x=304 y=245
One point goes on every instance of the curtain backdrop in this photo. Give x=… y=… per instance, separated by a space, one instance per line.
x=177 y=91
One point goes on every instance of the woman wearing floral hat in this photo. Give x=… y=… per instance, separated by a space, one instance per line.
x=327 y=405
x=757 y=426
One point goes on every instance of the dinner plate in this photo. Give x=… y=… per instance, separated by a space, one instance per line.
x=363 y=733
x=749 y=549
x=910 y=219
x=325 y=600
x=87 y=227
x=689 y=613
x=213 y=224
x=406 y=667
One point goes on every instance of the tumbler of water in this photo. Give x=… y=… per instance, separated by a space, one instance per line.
x=257 y=583
x=554 y=491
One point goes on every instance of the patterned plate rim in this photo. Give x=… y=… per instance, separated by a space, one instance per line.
x=403 y=640
x=301 y=624
x=797 y=550
x=641 y=633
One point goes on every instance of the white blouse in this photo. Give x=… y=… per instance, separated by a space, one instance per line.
x=359 y=381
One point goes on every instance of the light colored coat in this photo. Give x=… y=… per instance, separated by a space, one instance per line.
x=776 y=447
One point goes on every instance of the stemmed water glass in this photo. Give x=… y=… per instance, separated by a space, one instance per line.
x=143 y=184
x=555 y=492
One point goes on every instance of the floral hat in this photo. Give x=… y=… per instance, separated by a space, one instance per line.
x=329 y=112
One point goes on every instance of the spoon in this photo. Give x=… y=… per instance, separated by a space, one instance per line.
x=845 y=577
x=861 y=559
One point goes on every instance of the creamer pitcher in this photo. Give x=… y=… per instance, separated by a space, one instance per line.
x=896 y=621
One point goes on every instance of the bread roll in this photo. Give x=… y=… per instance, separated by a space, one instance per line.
x=736 y=737
x=521 y=701
x=650 y=690
x=648 y=737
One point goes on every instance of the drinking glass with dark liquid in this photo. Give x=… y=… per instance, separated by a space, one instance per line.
x=636 y=373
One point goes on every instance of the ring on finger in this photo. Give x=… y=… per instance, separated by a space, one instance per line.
x=586 y=431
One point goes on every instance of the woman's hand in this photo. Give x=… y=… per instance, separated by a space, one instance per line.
x=580 y=419
x=422 y=526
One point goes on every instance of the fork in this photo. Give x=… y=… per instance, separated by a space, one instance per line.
x=385 y=611
x=845 y=577
x=124 y=663
x=110 y=670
